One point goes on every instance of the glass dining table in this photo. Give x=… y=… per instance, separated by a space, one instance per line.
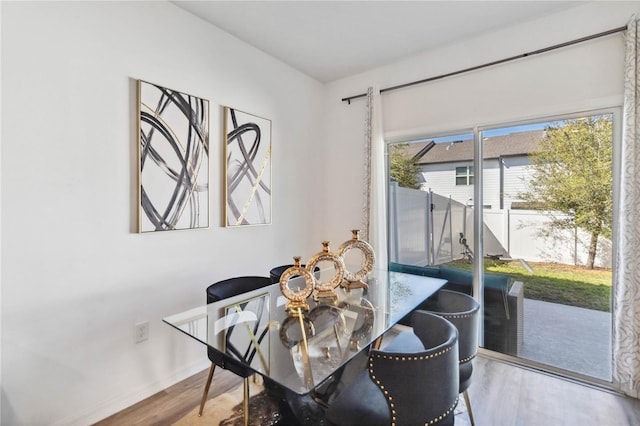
x=299 y=351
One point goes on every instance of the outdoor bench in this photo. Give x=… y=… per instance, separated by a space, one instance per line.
x=503 y=302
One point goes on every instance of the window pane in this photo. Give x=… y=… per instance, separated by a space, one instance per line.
x=548 y=231
x=546 y=246
x=421 y=220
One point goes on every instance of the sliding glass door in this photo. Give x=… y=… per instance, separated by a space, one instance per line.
x=540 y=198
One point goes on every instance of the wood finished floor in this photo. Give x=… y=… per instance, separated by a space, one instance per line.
x=501 y=395
x=167 y=406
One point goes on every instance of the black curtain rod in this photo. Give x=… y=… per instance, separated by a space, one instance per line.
x=489 y=64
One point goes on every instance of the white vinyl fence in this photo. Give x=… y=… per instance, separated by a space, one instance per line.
x=528 y=235
x=425 y=229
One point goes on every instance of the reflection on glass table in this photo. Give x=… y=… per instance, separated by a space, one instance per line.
x=300 y=350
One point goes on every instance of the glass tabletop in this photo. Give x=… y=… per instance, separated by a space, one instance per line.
x=299 y=350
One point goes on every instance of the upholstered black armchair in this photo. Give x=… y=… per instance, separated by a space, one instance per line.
x=276 y=273
x=412 y=381
x=220 y=291
x=463 y=312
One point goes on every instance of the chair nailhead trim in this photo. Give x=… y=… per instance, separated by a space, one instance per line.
x=442 y=416
x=386 y=392
x=411 y=358
x=456 y=315
x=467 y=359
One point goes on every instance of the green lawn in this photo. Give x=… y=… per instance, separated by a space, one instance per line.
x=552 y=282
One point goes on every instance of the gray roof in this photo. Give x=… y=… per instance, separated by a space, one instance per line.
x=413 y=149
x=513 y=144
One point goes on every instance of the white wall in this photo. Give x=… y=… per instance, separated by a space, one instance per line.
x=577 y=78
x=518 y=173
x=441 y=179
x=75 y=275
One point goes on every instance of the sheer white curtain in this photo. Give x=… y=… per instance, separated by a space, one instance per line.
x=374 y=212
x=626 y=335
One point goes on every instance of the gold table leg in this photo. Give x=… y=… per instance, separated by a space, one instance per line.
x=245 y=404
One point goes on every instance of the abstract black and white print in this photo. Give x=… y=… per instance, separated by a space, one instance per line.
x=248 y=169
x=174 y=159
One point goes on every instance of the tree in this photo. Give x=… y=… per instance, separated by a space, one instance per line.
x=402 y=168
x=573 y=175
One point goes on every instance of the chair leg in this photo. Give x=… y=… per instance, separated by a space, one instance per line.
x=377 y=343
x=245 y=404
x=468 y=404
x=206 y=388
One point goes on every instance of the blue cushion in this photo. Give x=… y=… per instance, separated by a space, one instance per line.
x=425 y=271
x=499 y=281
x=456 y=276
x=461 y=276
x=453 y=275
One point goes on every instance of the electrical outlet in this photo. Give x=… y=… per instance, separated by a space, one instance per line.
x=141 y=331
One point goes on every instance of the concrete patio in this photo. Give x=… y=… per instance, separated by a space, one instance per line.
x=567 y=337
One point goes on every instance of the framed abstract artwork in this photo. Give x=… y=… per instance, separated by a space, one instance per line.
x=247 y=169
x=173 y=154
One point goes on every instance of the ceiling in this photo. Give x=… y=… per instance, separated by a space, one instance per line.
x=329 y=40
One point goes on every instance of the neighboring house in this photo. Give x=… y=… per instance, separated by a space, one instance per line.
x=447 y=167
x=447 y=170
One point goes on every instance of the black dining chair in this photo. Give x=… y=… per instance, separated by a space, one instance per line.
x=219 y=291
x=463 y=312
x=412 y=381
x=276 y=273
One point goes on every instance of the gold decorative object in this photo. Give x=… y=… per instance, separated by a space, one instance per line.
x=297 y=299
x=327 y=316
x=298 y=344
x=326 y=289
x=364 y=324
x=356 y=280
x=302 y=327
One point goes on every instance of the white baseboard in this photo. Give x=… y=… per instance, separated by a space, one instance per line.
x=101 y=411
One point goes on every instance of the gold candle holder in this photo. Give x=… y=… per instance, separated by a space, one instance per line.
x=326 y=289
x=356 y=280
x=296 y=328
x=297 y=299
